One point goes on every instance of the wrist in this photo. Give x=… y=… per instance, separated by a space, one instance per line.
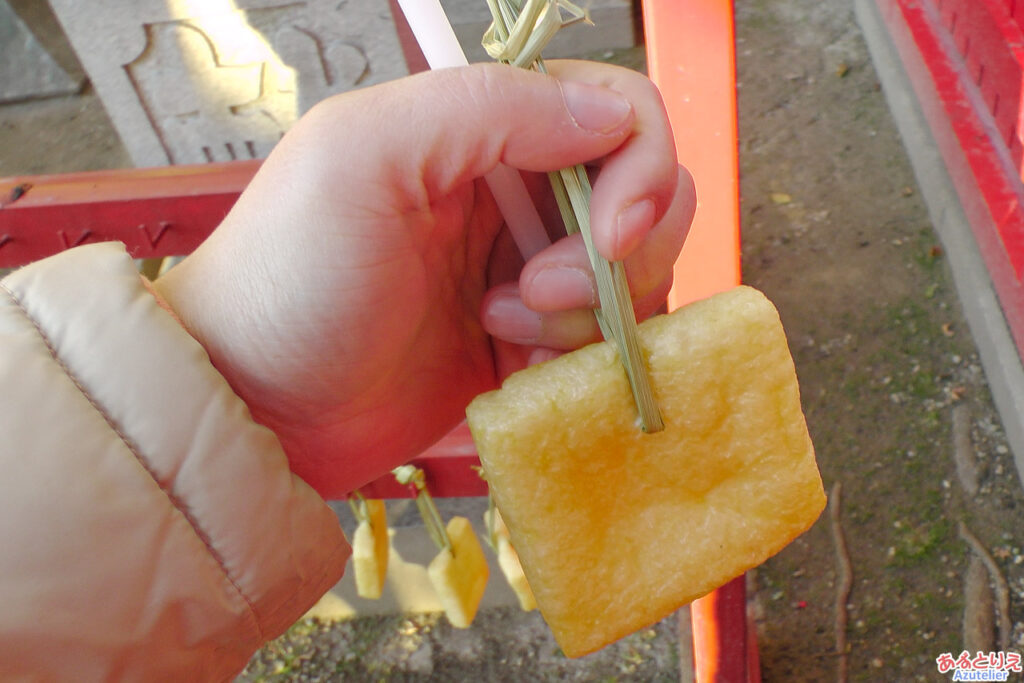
x=161 y=301
x=193 y=297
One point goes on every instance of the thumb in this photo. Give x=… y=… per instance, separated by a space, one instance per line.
x=442 y=128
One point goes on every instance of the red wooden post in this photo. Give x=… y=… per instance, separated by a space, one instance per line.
x=691 y=57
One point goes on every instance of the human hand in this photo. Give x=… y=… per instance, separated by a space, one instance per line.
x=364 y=289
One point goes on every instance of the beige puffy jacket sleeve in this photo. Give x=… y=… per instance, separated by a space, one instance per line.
x=149 y=529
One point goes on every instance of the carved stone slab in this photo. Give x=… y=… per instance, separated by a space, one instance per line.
x=192 y=81
x=26 y=69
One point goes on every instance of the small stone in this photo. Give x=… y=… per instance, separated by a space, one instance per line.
x=421 y=661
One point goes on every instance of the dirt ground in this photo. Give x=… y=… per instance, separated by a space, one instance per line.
x=836 y=233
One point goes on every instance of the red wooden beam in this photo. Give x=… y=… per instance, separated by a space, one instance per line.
x=450 y=467
x=155 y=212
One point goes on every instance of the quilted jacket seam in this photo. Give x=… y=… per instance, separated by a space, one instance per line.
x=176 y=502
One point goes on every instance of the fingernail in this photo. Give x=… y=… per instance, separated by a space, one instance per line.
x=569 y=285
x=633 y=224
x=594 y=108
x=508 y=318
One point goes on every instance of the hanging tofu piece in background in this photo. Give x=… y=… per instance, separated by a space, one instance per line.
x=370 y=548
x=459 y=574
x=616 y=528
x=508 y=560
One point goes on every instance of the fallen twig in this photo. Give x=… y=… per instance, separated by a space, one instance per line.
x=979 y=621
x=844 y=584
x=1002 y=588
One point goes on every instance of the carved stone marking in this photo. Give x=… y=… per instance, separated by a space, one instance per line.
x=192 y=81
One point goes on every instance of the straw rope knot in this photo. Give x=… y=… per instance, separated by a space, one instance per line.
x=518 y=34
